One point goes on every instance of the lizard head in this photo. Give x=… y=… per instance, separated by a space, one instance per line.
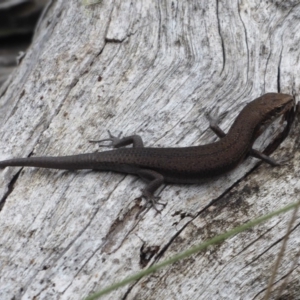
x=273 y=105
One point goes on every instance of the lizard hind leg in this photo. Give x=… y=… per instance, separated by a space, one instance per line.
x=118 y=142
x=155 y=180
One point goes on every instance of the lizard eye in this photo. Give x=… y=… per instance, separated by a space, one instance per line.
x=278 y=110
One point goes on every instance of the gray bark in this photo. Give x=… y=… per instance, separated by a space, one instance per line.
x=152 y=68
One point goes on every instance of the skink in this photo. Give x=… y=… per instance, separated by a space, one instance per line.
x=178 y=165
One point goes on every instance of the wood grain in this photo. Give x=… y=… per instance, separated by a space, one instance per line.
x=152 y=68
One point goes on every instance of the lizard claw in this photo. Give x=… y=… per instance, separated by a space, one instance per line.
x=114 y=140
x=153 y=200
x=283 y=162
x=213 y=121
x=214 y=118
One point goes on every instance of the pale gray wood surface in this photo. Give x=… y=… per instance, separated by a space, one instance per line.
x=151 y=68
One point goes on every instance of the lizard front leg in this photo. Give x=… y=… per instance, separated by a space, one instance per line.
x=213 y=124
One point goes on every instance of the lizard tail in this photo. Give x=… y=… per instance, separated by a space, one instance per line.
x=81 y=161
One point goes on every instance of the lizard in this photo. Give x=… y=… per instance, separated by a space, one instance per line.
x=182 y=164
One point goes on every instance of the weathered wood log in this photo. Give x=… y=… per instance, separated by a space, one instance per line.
x=152 y=68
